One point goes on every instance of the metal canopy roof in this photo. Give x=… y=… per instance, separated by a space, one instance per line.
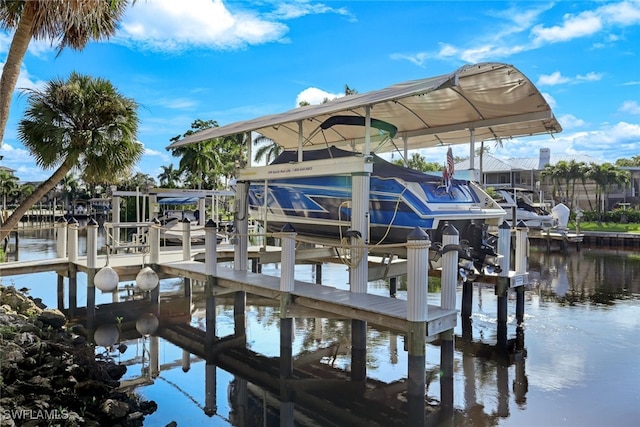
x=494 y=99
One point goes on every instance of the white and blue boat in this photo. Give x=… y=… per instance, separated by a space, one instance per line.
x=400 y=199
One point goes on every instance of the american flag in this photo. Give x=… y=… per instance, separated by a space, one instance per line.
x=447 y=172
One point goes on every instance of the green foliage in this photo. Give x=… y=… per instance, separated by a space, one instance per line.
x=618 y=216
x=209 y=164
x=418 y=162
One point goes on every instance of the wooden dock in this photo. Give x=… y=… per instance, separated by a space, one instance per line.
x=379 y=310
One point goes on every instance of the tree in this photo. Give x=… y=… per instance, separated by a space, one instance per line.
x=605 y=176
x=8 y=186
x=207 y=164
x=169 y=177
x=633 y=161
x=140 y=182
x=82 y=123
x=418 y=162
x=69 y=189
x=72 y=23
x=268 y=149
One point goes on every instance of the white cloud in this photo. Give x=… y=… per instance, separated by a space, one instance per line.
x=518 y=30
x=166 y=25
x=154 y=153
x=590 y=77
x=418 y=58
x=569 y=121
x=292 y=10
x=630 y=107
x=622 y=13
x=315 y=96
x=581 y=25
x=552 y=79
x=556 y=78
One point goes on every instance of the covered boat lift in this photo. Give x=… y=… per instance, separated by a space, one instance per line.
x=475 y=103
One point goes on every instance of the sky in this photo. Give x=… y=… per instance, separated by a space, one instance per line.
x=236 y=60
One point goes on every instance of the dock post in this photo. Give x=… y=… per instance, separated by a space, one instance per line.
x=522 y=249
x=61 y=252
x=61 y=238
x=287 y=285
x=210 y=249
x=418 y=245
x=92 y=263
x=211 y=270
x=186 y=239
x=502 y=288
x=115 y=220
x=449 y=283
x=241 y=245
x=72 y=227
x=186 y=252
x=288 y=264
x=393 y=286
x=359 y=269
x=154 y=255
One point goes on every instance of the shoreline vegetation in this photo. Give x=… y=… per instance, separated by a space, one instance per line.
x=611 y=227
x=51 y=375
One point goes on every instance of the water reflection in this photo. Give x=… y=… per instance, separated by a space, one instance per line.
x=581 y=335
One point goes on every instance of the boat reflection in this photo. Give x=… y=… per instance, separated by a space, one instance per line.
x=327 y=380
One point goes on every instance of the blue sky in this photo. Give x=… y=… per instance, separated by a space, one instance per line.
x=236 y=60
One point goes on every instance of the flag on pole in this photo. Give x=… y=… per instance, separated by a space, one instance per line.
x=447 y=173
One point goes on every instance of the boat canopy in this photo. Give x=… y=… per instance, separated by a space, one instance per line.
x=381 y=167
x=495 y=100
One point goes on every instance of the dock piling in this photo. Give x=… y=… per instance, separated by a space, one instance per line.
x=522 y=249
x=418 y=245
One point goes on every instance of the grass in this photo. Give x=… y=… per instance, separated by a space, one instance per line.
x=607 y=226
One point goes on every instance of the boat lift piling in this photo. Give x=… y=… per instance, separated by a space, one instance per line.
x=522 y=249
x=92 y=261
x=502 y=288
x=449 y=281
x=418 y=245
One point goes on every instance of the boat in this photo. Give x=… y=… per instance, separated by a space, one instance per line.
x=535 y=216
x=172 y=233
x=310 y=185
x=400 y=200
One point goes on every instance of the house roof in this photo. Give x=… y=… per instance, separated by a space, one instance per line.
x=495 y=99
x=493 y=164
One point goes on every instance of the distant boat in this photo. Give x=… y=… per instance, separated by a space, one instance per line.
x=172 y=233
x=534 y=215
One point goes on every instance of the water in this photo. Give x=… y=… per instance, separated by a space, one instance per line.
x=580 y=367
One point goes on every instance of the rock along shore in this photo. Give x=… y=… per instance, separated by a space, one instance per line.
x=51 y=376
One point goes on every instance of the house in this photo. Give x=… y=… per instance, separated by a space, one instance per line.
x=525 y=173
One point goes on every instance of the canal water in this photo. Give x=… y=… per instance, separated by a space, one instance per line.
x=576 y=361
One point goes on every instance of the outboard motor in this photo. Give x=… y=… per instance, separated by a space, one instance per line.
x=481 y=249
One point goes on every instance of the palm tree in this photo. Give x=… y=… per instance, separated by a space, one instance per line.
x=8 y=186
x=73 y=22
x=204 y=163
x=268 y=149
x=69 y=189
x=197 y=161
x=550 y=172
x=605 y=175
x=82 y=123
x=583 y=172
x=169 y=177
